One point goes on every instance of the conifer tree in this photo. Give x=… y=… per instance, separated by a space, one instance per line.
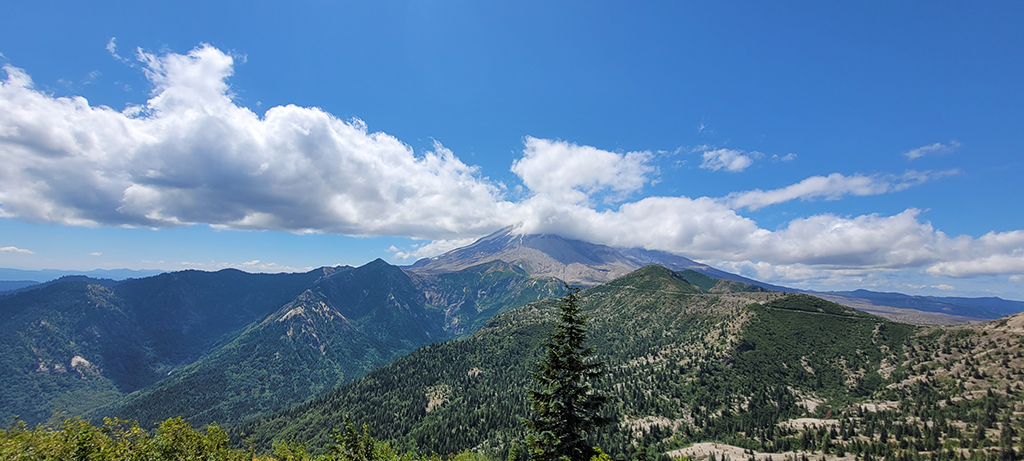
x=565 y=405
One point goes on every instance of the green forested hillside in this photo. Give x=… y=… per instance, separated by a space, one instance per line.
x=343 y=326
x=54 y=356
x=694 y=367
x=78 y=343
x=228 y=345
x=473 y=295
x=186 y=314
x=681 y=364
x=340 y=328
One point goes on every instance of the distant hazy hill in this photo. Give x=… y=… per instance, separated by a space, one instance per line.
x=11 y=285
x=45 y=275
x=977 y=308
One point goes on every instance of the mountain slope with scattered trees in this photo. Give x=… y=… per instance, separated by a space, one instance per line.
x=693 y=366
x=78 y=343
x=681 y=361
x=227 y=346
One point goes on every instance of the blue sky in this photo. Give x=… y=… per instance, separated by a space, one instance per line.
x=815 y=145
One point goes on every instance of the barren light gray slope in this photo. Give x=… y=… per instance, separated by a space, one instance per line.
x=574 y=261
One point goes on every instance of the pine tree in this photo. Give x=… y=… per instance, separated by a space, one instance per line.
x=565 y=405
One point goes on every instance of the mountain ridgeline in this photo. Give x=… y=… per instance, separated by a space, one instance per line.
x=684 y=352
x=987 y=308
x=77 y=344
x=691 y=360
x=227 y=346
x=437 y=357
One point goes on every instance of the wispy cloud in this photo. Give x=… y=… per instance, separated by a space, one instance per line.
x=833 y=187
x=991 y=264
x=731 y=160
x=92 y=77
x=932 y=149
x=13 y=249
x=433 y=248
x=112 y=49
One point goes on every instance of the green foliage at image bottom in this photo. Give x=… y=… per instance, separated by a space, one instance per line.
x=175 y=440
x=116 y=439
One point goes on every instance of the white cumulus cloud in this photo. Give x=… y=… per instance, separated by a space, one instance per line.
x=572 y=173
x=428 y=249
x=992 y=264
x=191 y=155
x=829 y=245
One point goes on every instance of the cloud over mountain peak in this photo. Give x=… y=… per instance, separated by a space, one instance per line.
x=193 y=155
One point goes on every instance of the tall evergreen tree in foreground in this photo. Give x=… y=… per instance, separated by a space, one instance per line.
x=565 y=405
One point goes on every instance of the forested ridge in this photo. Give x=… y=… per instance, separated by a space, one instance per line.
x=224 y=347
x=79 y=343
x=693 y=366
x=685 y=363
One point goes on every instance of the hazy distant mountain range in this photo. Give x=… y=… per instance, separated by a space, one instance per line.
x=586 y=264
x=13 y=279
x=932 y=310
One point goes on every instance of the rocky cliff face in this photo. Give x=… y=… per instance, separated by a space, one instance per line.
x=473 y=295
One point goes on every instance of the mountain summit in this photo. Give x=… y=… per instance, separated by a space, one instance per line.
x=574 y=261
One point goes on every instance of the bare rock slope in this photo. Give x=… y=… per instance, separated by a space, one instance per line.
x=574 y=261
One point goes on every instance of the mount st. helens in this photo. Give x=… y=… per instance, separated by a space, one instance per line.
x=574 y=261
x=586 y=264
